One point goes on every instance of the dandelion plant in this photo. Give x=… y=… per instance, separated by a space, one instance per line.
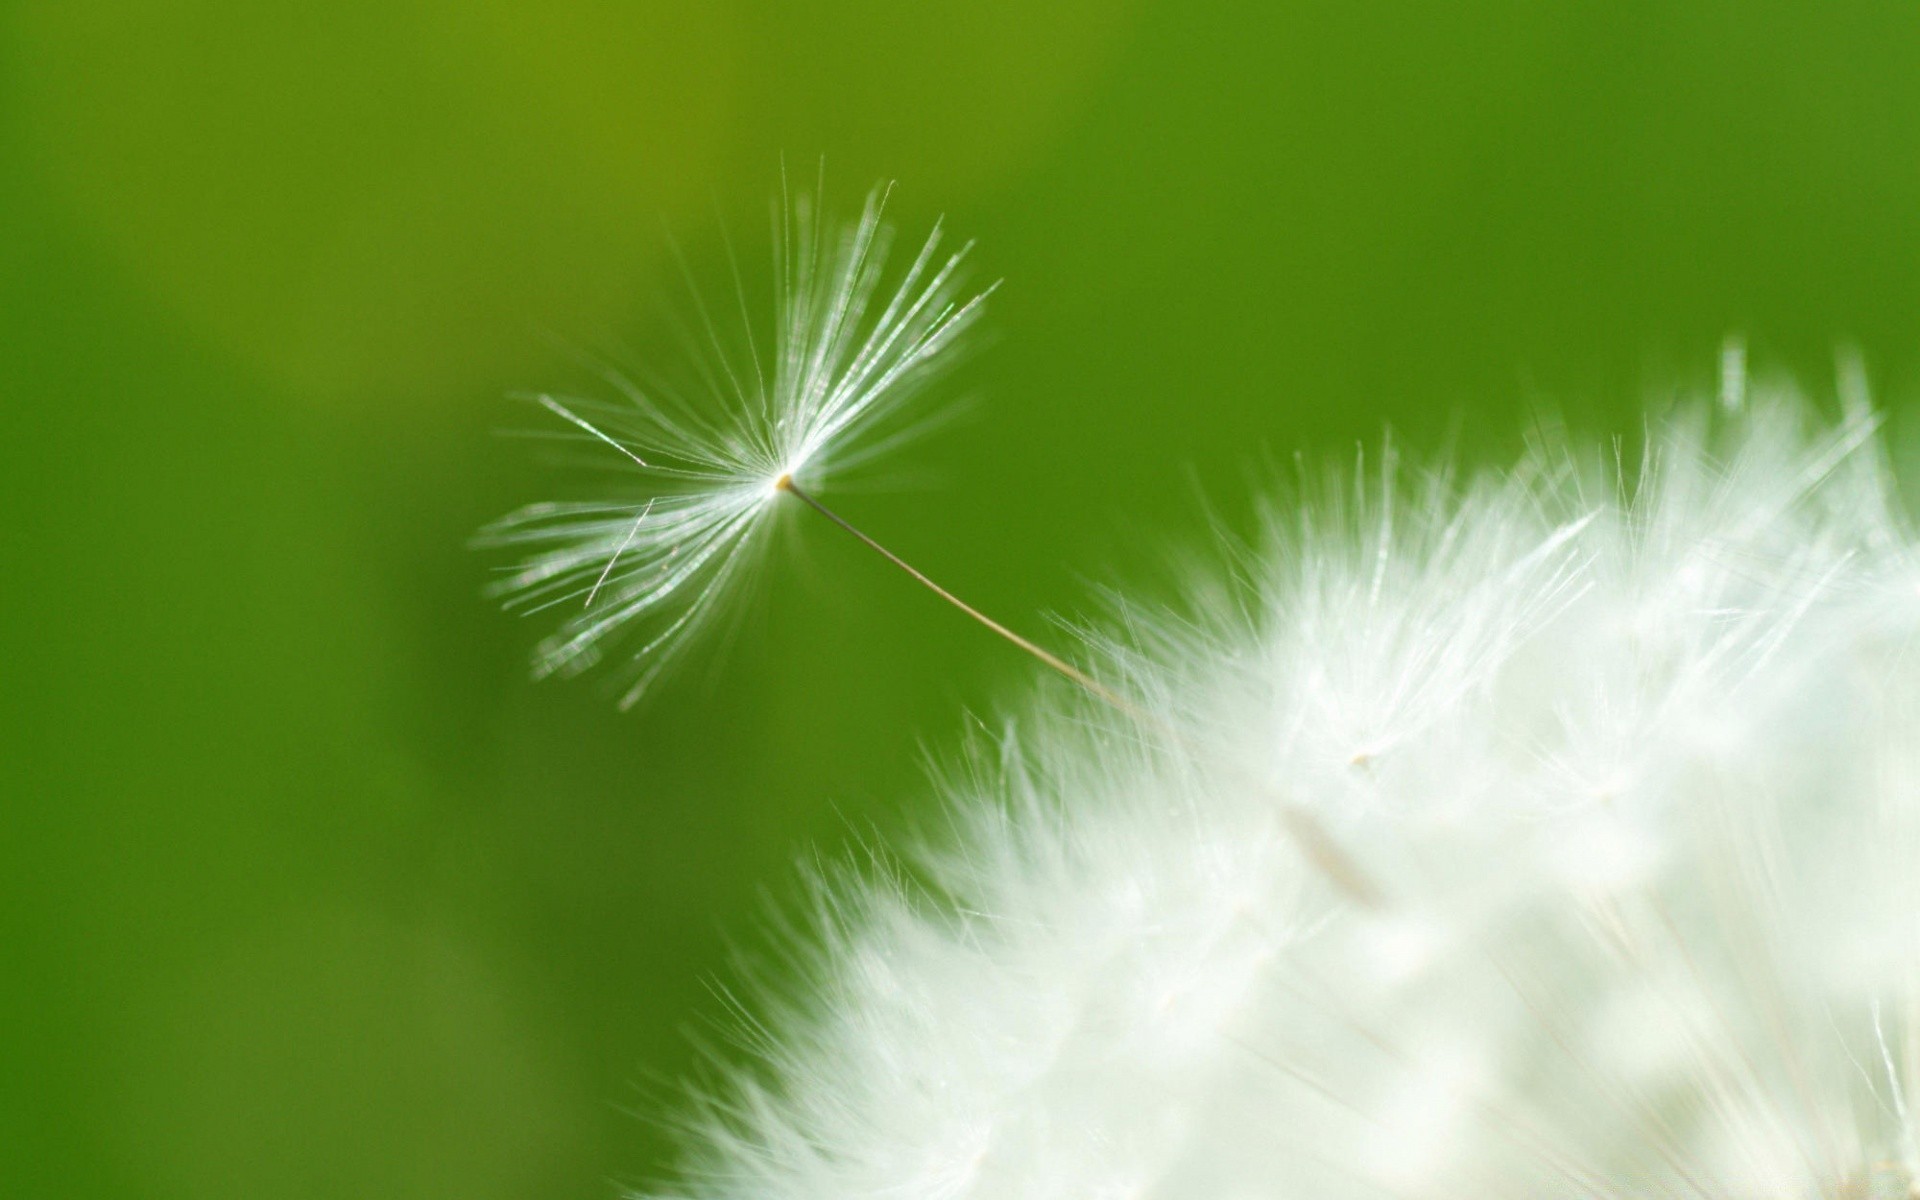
x=1606 y=769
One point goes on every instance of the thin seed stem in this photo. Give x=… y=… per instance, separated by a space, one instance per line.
x=1052 y=660
x=1307 y=831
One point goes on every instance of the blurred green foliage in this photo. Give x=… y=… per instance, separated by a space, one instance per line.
x=309 y=893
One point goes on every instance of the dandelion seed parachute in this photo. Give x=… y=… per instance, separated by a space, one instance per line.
x=1636 y=756
x=651 y=561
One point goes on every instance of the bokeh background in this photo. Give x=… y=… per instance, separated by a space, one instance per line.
x=309 y=892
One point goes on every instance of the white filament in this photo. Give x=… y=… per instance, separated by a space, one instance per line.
x=852 y=344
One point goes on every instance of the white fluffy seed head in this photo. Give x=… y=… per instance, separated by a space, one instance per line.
x=650 y=560
x=1634 y=756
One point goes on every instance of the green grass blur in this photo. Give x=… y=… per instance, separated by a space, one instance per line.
x=308 y=891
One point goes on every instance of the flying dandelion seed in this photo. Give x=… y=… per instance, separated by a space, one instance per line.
x=650 y=567
x=1633 y=750
x=665 y=561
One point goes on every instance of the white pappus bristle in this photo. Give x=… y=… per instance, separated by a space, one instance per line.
x=649 y=560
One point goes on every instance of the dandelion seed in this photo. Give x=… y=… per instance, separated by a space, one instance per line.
x=713 y=475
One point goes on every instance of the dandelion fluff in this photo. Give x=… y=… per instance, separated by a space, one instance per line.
x=1633 y=752
x=649 y=562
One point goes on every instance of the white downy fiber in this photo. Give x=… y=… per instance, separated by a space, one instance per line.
x=645 y=565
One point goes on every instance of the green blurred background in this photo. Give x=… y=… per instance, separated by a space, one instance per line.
x=308 y=891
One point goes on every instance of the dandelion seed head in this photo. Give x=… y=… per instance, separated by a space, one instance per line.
x=1630 y=749
x=652 y=560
